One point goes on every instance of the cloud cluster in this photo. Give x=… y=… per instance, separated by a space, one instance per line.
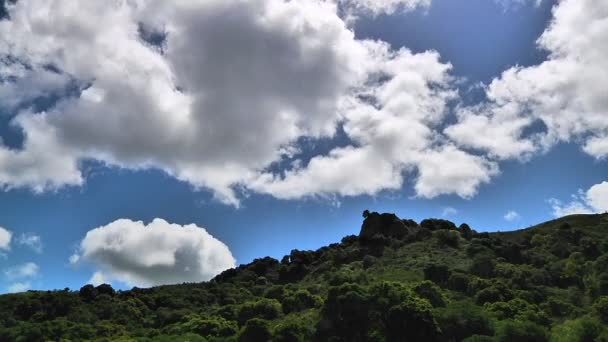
x=216 y=93
x=594 y=200
x=30 y=240
x=565 y=95
x=154 y=254
x=26 y=270
x=225 y=90
x=377 y=7
x=20 y=276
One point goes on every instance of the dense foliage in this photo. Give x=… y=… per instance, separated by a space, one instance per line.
x=397 y=281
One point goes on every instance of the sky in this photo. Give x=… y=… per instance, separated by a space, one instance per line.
x=149 y=142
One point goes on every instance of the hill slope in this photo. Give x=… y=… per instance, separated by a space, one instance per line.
x=397 y=281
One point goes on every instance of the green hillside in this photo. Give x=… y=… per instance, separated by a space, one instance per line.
x=397 y=280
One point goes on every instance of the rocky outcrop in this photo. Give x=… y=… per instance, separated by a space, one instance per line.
x=388 y=225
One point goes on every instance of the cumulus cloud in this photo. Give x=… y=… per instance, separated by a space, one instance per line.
x=229 y=88
x=512 y=216
x=449 y=211
x=27 y=270
x=377 y=7
x=154 y=254
x=594 y=200
x=30 y=240
x=5 y=239
x=566 y=94
x=19 y=287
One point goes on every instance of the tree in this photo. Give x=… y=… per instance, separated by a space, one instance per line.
x=263 y=308
x=255 y=330
x=601 y=308
x=439 y=274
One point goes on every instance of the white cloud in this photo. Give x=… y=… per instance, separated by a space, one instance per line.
x=27 y=270
x=597 y=197
x=30 y=240
x=74 y=259
x=154 y=254
x=449 y=211
x=5 y=239
x=236 y=85
x=377 y=7
x=594 y=200
x=566 y=93
x=98 y=278
x=512 y=216
x=19 y=287
x=230 y=90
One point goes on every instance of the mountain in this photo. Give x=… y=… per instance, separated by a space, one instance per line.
x=398 y=280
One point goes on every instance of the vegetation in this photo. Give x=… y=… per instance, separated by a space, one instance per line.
x=396 y=281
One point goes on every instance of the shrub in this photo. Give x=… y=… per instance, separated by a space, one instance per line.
x=483 y=266
x=207 y=327
x=263 y=308
x=458 y=282
x=447 y=238
x=463 y=319
x=411 y=320
x=439 y=274
x=431 y=292
x=369 y=261
x=521 y=331
x=489 y=295
x=255 y=330
x=355 y=313
x=601 y=308
x=301 y=300
x=582 y=329
x=296 y=329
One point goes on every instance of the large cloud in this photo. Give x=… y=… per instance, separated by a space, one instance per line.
x=215 y=92
x=594 y=200
x=154 y=254
x=565 y=95
x=27 y=270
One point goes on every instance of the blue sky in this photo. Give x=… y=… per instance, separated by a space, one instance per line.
x=78 y=155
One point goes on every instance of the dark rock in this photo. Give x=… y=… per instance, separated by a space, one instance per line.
x=437 y=224
x=386 y=224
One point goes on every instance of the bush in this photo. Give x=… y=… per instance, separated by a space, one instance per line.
x=439 y=274
x=582 y=329
x=263 y=308
x=296 y=329
x=255 y=330
x=518 y=309
x=489 y=295
x=206 y=326
x=483 y=266
x=601 y=308
x=447 y=238
x=369 y=261
x=301 y=300
x=458 y=282
x=431 y=292
x=355 y=313
x=461 y=320
x=520 y=331
x=411 y=320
